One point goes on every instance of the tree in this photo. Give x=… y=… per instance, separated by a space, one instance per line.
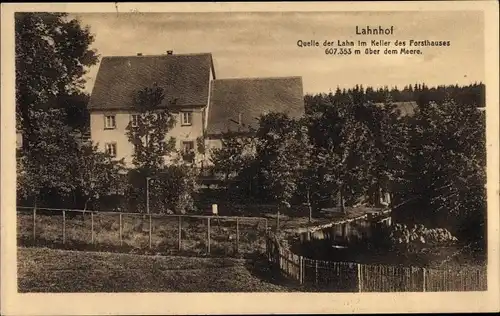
x=309 y=167
x=281 y=151
x=387 y=154
x=447 y=171
x=342 y=142
x=57 y=167
x=149 y=131
x=52 y=56
x=235 y=154
x=45 y=166
x=171 y=187
x=96 y=174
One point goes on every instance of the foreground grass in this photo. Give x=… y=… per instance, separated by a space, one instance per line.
x=49 y=270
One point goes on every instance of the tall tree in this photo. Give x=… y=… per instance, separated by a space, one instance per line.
x=342 y=141
x=169 y=187
x=45 y=166
x=281 y=151
x=448 y=166
x=52 y=56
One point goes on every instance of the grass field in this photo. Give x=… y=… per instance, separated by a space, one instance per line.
x=51 y=270
x=225 y=238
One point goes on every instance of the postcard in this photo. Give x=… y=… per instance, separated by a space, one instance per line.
x=216 y=158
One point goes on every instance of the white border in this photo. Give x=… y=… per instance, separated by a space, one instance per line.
x=205 y=303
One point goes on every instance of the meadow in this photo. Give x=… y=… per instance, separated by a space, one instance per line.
x=55 y=271
x=137 y=233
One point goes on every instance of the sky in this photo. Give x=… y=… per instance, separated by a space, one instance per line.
x=265 y=44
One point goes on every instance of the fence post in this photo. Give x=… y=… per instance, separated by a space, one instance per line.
x=34 y=224
x=92 y=226
x=121 y=239
x=64 y=226
x=316 y=271
x=150 y=232
x=360 y=282
x=237 y=235
x=208 y=235
x=179 y=237
x=301 y=270
x=423 y=279
x=278 y=221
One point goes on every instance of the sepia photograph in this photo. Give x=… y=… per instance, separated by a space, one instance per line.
x=251 y=151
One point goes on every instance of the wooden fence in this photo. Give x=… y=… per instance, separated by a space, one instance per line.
x=355 y=277
x=158 y=232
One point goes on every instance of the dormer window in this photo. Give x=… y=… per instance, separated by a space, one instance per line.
x=186 y=118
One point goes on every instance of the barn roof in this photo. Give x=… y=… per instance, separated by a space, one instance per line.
x=184 y=78
x=249 y=98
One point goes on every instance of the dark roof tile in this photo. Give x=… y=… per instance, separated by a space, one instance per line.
x=184 y=78
x=250 y=98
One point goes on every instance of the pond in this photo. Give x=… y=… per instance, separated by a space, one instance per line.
x=363 y=240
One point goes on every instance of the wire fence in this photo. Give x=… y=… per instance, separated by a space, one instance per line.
x=135 y=232
x=355 y=277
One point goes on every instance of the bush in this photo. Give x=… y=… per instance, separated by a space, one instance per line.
x=171 y=189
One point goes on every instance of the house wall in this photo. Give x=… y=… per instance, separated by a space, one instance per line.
x=124 y=148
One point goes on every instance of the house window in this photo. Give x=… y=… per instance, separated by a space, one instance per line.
x=186 y=118
x=110 y=149
x=109 y=122
x=188 y=151
x=134 y=120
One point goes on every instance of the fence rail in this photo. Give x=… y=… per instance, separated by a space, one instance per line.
x=164 y=233
x=355 y=277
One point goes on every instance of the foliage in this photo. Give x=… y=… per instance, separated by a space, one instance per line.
x=235 y=154
x=179 y=183
x=342 y=139
x=46 y=165
x=473 y=94
x=148 y=136
x=59 y=166
x=387 y=152
x=170 y=187
x=52 y=56
x=447 y=170
x=281 y=150
x=97 y=174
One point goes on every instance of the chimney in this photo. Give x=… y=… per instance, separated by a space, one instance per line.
x=170 y=52
x=239 y=119
x=139 y=54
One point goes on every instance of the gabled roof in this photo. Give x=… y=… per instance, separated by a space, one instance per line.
x=184 y=78
x=249 y=98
